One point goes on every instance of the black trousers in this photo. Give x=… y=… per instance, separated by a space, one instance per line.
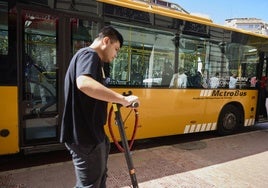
x=90 y=164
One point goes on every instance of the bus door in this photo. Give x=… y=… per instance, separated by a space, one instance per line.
x=262 y=107
x=39 y=79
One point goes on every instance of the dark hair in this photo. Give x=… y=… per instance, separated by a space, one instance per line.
x=113 y=34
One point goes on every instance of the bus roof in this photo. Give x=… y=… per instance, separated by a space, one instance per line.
x=172 y=13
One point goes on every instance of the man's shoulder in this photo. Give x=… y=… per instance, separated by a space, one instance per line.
x=87 y=53
x=86 y=50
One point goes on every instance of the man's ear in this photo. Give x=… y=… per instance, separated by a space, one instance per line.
x=106 y=40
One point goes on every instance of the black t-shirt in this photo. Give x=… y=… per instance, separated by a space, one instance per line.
x=83 y=117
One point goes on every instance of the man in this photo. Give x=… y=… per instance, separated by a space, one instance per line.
x=85 y=110
x=179 y=80
x=215 y=81
x=232 y=81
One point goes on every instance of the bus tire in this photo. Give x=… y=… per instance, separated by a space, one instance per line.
x=229 y=120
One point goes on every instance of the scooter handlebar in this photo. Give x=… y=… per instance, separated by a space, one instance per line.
x=134 y=105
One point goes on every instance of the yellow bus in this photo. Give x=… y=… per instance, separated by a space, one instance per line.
x=191 y=75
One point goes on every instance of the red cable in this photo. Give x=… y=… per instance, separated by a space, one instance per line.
x=112 y=132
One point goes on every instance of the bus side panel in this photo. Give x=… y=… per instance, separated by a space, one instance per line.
x=165 y=112
x=218 y=99
x=9 y=140
x=250 y=106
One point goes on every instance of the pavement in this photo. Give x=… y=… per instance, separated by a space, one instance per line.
x=236 y=161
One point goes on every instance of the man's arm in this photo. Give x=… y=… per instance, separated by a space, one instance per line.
x=94 y=89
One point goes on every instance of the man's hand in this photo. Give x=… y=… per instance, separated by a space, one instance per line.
x=130 y=101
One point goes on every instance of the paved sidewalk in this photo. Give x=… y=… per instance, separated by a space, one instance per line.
x=237 y=161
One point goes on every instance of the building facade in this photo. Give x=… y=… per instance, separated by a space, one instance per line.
x=251 y=24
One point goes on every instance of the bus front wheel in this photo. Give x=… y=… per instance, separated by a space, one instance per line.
x=229 y=120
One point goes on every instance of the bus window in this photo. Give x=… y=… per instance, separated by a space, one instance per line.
x=3 y=56
x=243 y=61
x=3 y=34
x=145 y=60
x=82 y=33
x=40 y=62
x=4 y=64
x=193 y=59
x=203 y=59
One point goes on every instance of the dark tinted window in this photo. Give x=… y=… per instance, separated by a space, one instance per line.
x=8 y=68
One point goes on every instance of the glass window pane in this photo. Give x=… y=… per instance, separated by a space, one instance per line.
x=145 y=60
x=5 y=66
x=83 y=32
x=40 y=61
x=40 y=92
